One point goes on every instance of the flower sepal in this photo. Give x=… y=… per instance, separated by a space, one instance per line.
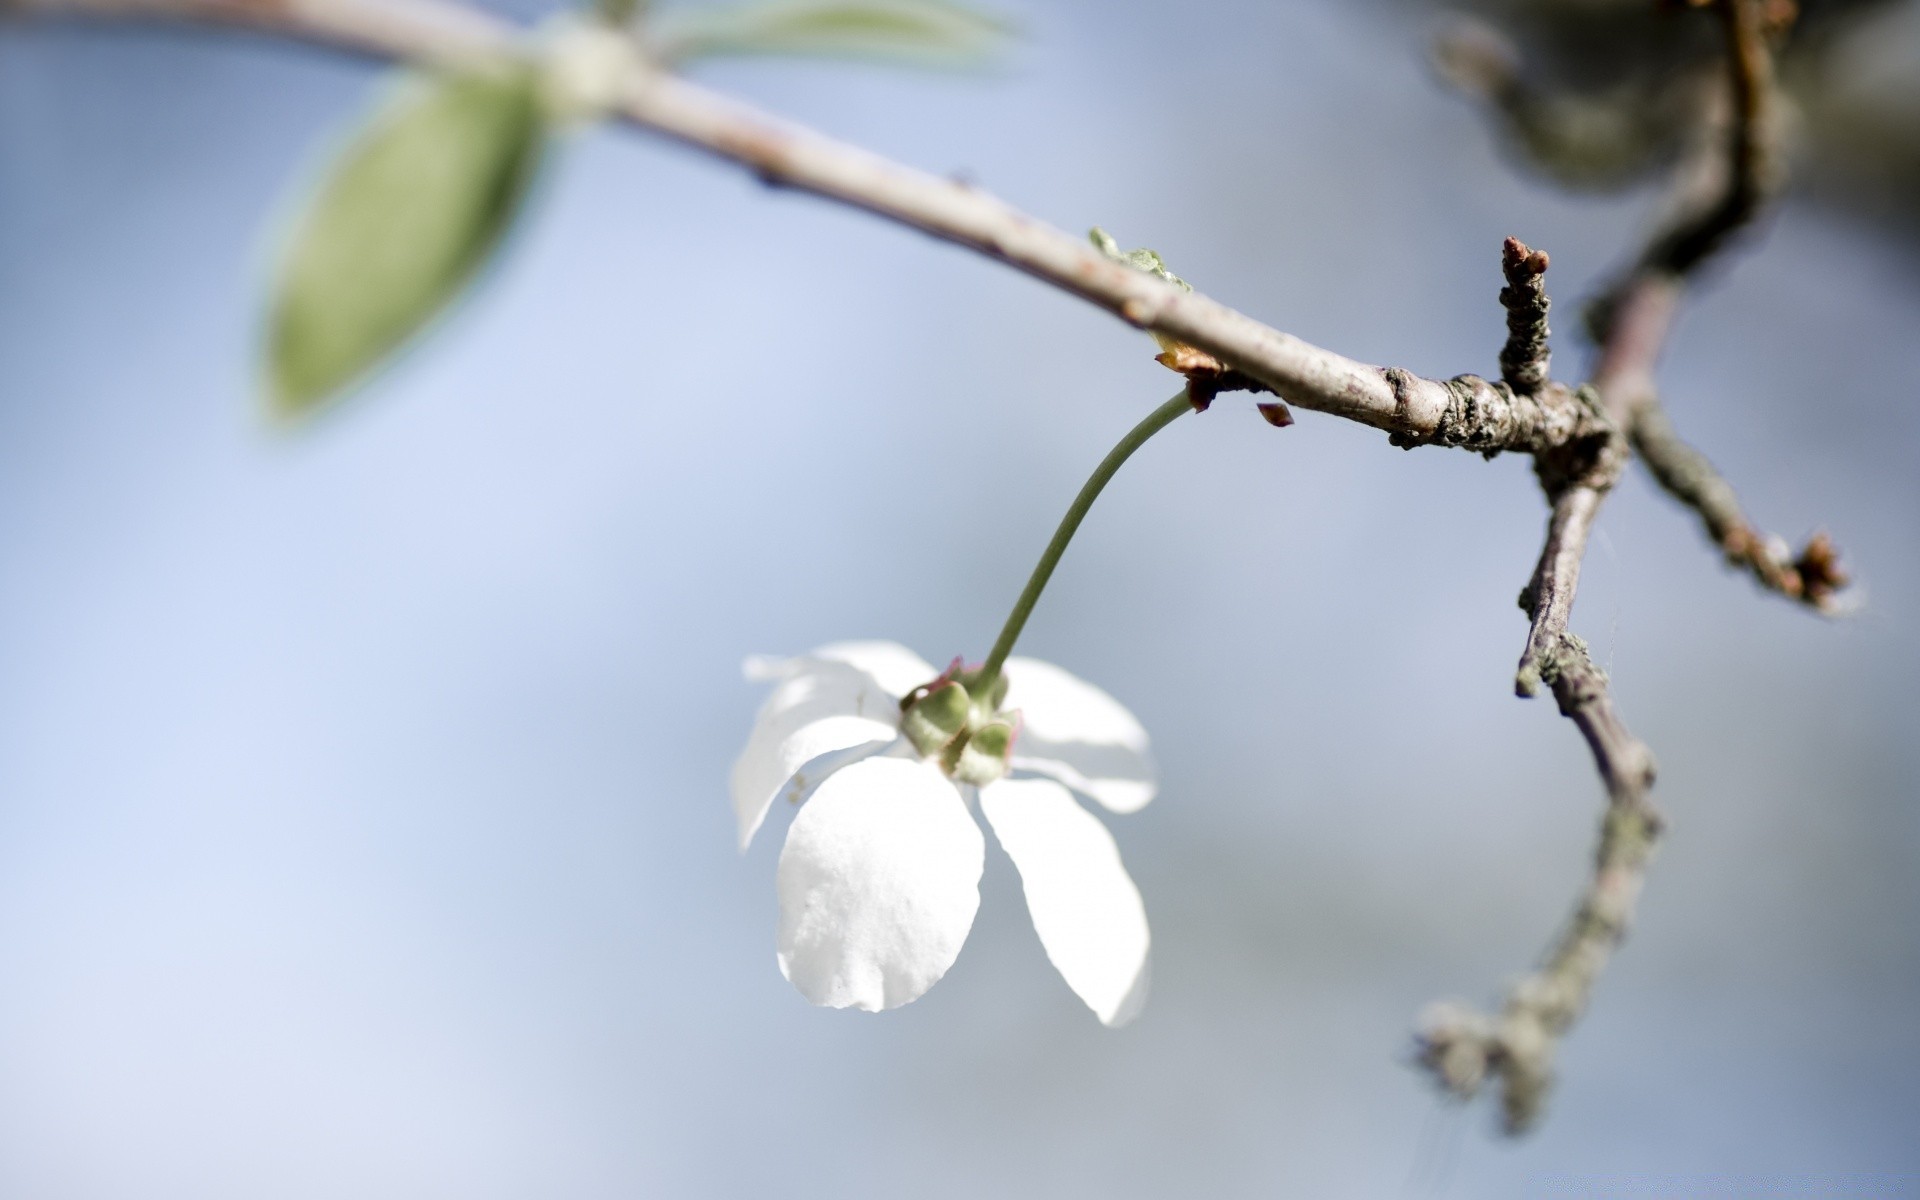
x=933 y=717
x=986 y=754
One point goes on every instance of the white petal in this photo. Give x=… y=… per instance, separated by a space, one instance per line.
x=1072 y=731
x=895 y=669
x=820 y=708
x=878 y=883
x=842 y=697
x=1084 y=905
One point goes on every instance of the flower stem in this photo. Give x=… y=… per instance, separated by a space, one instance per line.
x=1137 y=437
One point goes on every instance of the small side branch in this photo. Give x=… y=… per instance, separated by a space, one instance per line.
x=1814 y=577
x=1525 y=360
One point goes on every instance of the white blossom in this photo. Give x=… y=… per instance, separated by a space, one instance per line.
x=879 y=879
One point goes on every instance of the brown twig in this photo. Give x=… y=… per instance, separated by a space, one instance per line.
x=1814 y=577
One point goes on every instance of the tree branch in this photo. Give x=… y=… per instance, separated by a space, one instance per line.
x=1465 y=411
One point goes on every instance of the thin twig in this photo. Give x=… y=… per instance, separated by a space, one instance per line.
x=1461 y=1048
x=1814 y=576
x=1465 y=1049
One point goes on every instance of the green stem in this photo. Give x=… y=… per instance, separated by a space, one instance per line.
x=1137 y=437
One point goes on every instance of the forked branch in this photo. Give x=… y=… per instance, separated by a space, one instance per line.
x=1463 y=1049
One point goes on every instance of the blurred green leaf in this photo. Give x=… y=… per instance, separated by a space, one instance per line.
x=918 y=32
x=415 y=204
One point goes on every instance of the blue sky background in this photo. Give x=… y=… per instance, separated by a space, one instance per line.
x=362 y=817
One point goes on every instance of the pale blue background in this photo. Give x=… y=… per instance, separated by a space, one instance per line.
x=362 y=816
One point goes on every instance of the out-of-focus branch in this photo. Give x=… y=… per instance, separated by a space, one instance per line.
x=1465 y=411
x=1730 y=188
x=1751 y=172
x=1583 y=140
x=417 y=30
